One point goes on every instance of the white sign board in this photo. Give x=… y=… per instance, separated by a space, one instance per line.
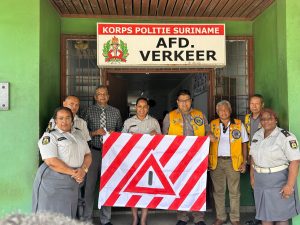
x=160 y=45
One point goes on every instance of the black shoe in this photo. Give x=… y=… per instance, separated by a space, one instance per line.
x=253 y=222
x=200 y=223
x=180 y=222
x=109 y=223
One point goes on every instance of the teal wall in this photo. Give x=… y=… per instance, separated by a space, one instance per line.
x=49 y=63
x=293 y=70
x=19 y=65
x=270 y=59
x=25 y=58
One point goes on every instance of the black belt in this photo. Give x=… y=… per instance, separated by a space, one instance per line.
x=224 y=157
x=96 y=148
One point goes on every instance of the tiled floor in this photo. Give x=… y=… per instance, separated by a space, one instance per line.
x=161 y=217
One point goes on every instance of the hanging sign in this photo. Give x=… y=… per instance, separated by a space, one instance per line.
x=160 y=45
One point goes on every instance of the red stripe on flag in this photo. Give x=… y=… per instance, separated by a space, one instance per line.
x=115 y=194
x=190 y=184
x=199 y=202
x=133 y=200
x=119 y=158
x=109 y=142
x=154 y=202
x=187 y=158
x=164 y=159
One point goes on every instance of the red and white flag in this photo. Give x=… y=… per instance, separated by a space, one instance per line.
x=159 y=171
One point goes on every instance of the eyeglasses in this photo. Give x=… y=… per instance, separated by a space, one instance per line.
x=184 y=101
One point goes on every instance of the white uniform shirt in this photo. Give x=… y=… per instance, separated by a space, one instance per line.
x=78 y=123
x=275 y=150
x=135 y=125
x=70 y=147
x=224 y=144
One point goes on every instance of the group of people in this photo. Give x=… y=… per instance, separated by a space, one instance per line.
x=71 y=150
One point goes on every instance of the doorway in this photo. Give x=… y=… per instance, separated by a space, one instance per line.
x=160 y=87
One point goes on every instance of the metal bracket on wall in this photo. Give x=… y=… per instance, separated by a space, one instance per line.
x=4 y=96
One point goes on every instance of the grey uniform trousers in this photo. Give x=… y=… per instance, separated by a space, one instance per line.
x=91 y=186
x=54 y=192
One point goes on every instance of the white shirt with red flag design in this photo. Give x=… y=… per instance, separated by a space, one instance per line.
x=154 y=171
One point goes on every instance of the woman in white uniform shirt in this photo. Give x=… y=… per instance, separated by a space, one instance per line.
x=67 y=158
x=275 y=162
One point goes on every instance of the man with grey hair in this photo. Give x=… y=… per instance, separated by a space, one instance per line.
x=227 y=159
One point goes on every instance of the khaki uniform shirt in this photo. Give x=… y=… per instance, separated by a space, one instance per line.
x=135 y=125
x=279 y=148
x=70 y=147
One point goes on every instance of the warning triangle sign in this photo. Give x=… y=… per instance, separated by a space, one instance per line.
x=150 y=179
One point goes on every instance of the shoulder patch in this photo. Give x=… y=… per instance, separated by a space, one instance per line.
x=61 y=139
x=293 y=144
x=45 y=140
x=285 y=133
x=49 y=127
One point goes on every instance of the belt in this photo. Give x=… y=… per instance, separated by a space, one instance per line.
x=224 y=157
x=270 y=170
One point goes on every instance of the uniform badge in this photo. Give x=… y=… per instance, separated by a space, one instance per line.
x=46 y=140
x=236 y=134
x=61 y=139
x=198 y=121
x=293 y=144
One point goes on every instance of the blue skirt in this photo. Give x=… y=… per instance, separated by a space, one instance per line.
x=54 y=192
x=269 y=204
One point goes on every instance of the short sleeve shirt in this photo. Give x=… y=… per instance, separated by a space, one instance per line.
x=224 y=144
x=70 y=147
x=135 y=125
x=279 y=148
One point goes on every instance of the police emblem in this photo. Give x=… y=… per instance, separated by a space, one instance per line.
x=46 y=140
x=236 y=134
x=198 y=121
x=115 y=51
x=293 y=144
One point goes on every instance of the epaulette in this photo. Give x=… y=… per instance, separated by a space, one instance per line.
x=76 y=128
x=49 y=131
x=285 y=133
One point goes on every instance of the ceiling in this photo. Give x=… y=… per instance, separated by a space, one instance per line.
x=172 y=9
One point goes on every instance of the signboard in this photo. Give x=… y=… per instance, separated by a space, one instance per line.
x=154 y=171
x=160 y=45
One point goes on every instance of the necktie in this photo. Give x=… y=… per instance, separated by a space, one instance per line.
x=102 y=122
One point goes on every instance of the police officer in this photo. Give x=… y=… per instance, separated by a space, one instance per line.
x=72 y=102
x=227 y=159
x=252 y=120
x=275 y=161
x=141 y=123
x=66 y=158
x=189 y=122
